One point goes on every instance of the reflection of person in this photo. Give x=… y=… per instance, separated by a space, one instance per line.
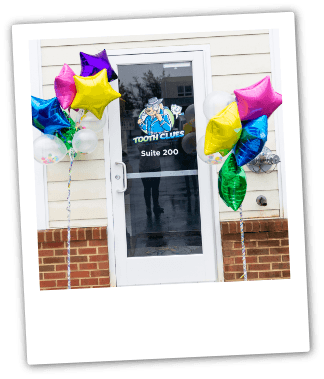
x=151 y=185
x=156 y=118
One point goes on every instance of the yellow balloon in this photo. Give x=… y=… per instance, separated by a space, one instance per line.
x=93 y=93
x=223 y=131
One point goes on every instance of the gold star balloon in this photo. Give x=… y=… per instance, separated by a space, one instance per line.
x=94 y=93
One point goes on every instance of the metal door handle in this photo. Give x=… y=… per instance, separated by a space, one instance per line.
x=124 y=177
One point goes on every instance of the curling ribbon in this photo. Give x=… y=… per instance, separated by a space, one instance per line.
x=72 y=155
x=243 y=245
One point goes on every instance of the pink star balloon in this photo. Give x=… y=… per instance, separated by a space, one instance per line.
x=65 y=87
x=257 y=100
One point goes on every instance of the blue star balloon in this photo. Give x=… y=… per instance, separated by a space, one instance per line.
x=47 y=115
x=253 y=138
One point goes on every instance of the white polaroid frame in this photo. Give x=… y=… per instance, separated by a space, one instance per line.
x=203 y=314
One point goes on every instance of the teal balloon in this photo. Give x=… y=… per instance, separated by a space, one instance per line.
x=253 y=138
x=232 y=183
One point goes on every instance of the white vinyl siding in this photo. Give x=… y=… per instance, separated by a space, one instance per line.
x=238 y=59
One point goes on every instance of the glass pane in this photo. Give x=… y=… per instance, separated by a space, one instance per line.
x=159 y=150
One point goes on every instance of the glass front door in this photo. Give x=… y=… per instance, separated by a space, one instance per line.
x=160 y=214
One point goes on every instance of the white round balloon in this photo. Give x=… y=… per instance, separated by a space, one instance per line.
x=49 y=149
x=190 y=113
x=85 y=141
x=215 y=158
x=215 y=102
x=90 y=121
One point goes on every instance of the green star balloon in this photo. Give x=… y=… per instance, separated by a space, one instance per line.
x=232 y=183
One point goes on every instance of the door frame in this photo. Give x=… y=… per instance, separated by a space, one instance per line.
x=214 y=177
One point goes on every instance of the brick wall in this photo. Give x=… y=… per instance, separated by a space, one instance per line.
x=267 y=249
x=89 y=258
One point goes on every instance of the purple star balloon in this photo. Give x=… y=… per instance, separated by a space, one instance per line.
x=257 y=100
x=92 y=64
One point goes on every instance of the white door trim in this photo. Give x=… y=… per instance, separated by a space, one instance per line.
x=35 y=61
x=278 y=119
x=208 y=86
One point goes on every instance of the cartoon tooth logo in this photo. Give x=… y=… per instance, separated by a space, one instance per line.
x=176 y=110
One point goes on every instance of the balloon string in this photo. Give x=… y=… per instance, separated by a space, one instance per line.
x=243 y=245
x=72 y=155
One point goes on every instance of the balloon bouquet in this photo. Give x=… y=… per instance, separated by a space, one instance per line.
x=238 y=129
x=88 y=95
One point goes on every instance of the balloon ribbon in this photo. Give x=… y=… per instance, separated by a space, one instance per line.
x=243 y=245
x=72 y=155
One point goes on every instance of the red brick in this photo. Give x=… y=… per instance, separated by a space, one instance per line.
x=63 y=252
x=64 y=283
x=286 y=274
x=247 y=226
x=255 y=236
x=238 y=245
x=41 y=276
x=279 y=250
x=96 y=274
x=278 y=235
x=49 y=236
x=103 y=265
x=285 y=258
x=231 y=253
x=233 y=268
x=264 y=227
x=104 y=281
x=268 y=243
x=257 y=251
x=81 y=234
x=78 y=258
x=259 y=267
x=55 y=275
x=64 y=267
x=284 y=266
x=103 y=250
x=275 y=226
x=255 y=226
x=88 y=251
x=80 y=274
x=247 y=259
x=231 y=237
x=88 y=266
x=285 y=224
x=284 y=242
x=232 y=226
x=46 y=268
x=229 y=276
x=229 y=261
x=40 y=245
x=45 y=253
x=270 y=258
x=96 y=233
x=40 y=261
x=57 y=236
x=89 y=282
x=227 y=245
x=41 y=236
x=53 y=245
x=53 y=260
x=252 y=275
x=98 y=243
x=88 y=234
x=47 y=283
x=224 y=228
x=104 y=233
x=79 y=243
x=270 y=274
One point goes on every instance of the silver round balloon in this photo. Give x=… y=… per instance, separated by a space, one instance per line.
x=85 y=141
x=215 y=158
x=49 y=149
x=215 y=102
x=190 y=113
x=189 y=143
x=90 y=121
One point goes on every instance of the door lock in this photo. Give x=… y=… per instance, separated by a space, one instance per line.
x=117 y=177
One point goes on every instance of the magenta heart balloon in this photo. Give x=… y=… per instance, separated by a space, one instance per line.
x=65 y=87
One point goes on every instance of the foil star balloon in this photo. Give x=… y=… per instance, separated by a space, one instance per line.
x=65 y=87
x=257 y=100
x=94 y=93
x=47 y=116
x=253 y=138
x=232 y=183
x=223 y=131
x=92 y=64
